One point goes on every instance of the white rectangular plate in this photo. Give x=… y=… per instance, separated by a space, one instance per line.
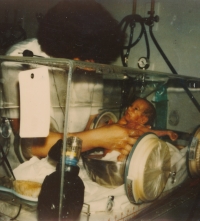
x=34 y=102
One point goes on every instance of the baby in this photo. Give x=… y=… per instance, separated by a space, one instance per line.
x=140 y=115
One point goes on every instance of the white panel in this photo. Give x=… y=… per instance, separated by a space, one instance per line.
x=34 y=102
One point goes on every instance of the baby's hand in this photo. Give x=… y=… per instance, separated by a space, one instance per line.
x=120 y=158
x=116 y=137
x=147 y=128
x=173 y=136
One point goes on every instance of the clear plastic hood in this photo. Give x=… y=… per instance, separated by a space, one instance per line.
x=43 y=96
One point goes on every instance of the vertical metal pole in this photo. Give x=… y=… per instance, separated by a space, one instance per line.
x=134 y=7
x=152 y=8
x=67 y=106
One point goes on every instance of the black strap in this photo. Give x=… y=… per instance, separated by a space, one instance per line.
x=7 y=162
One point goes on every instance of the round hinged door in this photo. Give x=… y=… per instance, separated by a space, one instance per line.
x=147 y=169
x=193 y=154
x=104 y=118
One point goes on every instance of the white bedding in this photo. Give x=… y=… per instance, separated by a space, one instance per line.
x=97 y=196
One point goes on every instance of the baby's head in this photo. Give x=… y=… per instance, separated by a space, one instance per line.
x=141 y=111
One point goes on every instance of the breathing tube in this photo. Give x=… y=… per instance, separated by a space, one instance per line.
x=181 y=81
x=131 y=21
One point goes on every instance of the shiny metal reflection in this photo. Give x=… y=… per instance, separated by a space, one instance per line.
x=109 y=174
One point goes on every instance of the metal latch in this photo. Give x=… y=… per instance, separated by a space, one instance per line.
x=192 y=148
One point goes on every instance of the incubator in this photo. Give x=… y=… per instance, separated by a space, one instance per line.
x=40 y=96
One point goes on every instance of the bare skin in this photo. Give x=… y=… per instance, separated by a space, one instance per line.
x=172 y=135
x=135 y=118
x=112 y=137
x=121 y=138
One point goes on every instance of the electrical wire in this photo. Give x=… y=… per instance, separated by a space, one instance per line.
x=161 y=51
x=7 y=162
x=131 y=21
x=11 y=171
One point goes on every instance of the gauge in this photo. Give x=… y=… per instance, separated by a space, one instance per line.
x=143 y=63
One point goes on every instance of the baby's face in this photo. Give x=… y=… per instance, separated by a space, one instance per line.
x=134 y=113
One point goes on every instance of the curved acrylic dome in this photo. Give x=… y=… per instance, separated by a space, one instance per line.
x=147 y=169
x=193 y=154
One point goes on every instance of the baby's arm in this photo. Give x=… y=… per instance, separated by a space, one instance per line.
x=146 y=128
x=172 y=135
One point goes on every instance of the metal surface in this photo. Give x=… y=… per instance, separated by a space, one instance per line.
x=106 y=173
x=145 y=172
